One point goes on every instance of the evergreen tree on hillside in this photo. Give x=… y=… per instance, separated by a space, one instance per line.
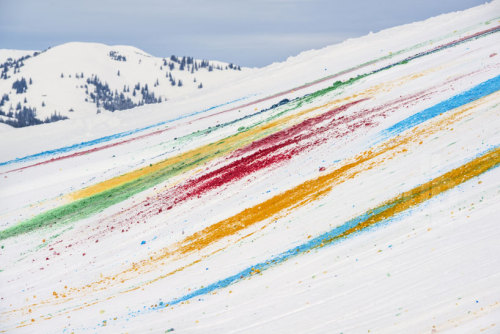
x=20 y=86
x=4 y=99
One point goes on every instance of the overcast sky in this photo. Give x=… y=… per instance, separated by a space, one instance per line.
x=245 y=32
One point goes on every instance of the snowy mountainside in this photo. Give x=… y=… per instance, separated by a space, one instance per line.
x=79 y=79
x=5 y=54
x=351 y=189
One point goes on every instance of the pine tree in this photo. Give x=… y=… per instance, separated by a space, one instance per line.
x=20 y=86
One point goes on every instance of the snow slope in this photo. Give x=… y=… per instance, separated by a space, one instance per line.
x=351 y=189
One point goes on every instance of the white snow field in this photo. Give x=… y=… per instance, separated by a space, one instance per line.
x=352 y=189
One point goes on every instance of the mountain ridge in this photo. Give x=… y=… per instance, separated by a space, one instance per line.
x=88 y=78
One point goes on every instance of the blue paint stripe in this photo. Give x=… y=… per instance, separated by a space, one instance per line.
x=483 y=89
x=108 y=138
x=325 y=238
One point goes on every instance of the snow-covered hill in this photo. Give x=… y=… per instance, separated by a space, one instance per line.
x=75 y=80
x=352 y=189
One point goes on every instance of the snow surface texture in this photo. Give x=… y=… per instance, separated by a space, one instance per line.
x=352 y=189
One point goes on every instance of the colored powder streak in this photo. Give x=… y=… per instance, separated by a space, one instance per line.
x=127 y=133
x=95 y=149
x=442 y=47
x=307 y=192
x=92 y=204
x=361 y=223
x=483 y=89
x=109 y=138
